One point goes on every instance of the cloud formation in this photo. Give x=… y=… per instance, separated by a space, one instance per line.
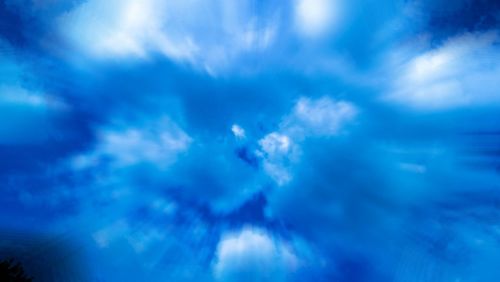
x=254 y=140
x=158 y=142
x=459 y=73
x=323 y=117
x=315 y=18
x=184 y=31
x=252 y=255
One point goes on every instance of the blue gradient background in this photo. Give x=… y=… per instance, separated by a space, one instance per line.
x=307 y=140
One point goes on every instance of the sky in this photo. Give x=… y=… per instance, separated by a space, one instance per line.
x=219 y=140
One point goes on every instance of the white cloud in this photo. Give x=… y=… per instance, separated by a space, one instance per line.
x=279 y=172
x=459 y=73
x=123 y=28
x=205 y=34
x=238 y=131
x=314 y=18
x=253 y=255
x=159 y=143
x=277 y=151
x=322 y=117
x=275 y=144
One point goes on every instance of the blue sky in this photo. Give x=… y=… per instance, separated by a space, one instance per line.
x=218 y=140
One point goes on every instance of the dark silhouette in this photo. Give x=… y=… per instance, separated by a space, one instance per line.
x=10 y=272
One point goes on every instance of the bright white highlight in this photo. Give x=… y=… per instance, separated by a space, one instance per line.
x=314 y=17
x=123 y=28
x=459 y=73
x=205 y=34
x=238 y=131
x=255 y=255
x=159 y=144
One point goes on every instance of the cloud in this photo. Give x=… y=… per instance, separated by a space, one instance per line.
x=158 y=143
x=184 y=31
x=309 y=118
x=314 y=18
x=278 y=151
x=457 y=74
x=253 y=255
x=320 y=117
x=238 y=131
x=184 y=120
x=275 y=144
x=123 y=28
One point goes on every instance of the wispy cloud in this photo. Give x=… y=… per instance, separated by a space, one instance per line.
x=252 y=254
x=220 y=140
x=184 y=31
x=458 y=73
